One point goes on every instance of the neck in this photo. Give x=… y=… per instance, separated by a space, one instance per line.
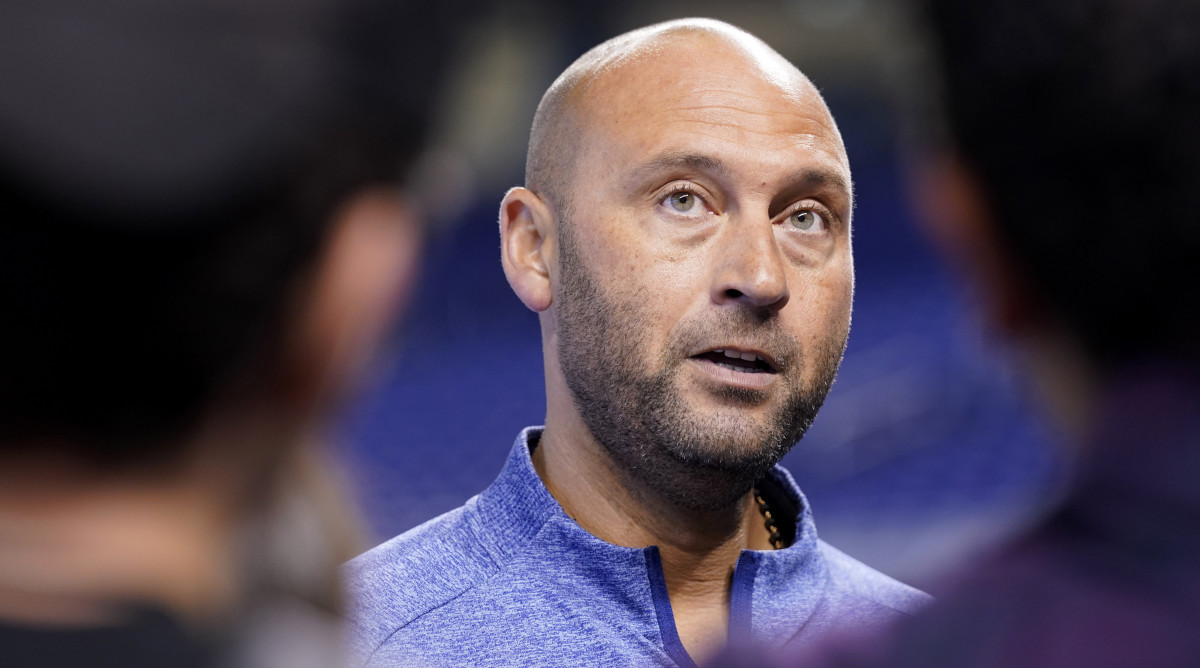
x=699 y=548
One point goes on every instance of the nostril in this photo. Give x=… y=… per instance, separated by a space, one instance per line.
x=732 y=293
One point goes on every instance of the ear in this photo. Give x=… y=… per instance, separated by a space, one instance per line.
x=527 y=246
x=360 y=282
x=953 y=208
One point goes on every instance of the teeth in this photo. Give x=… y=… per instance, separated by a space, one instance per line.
x=733 y=354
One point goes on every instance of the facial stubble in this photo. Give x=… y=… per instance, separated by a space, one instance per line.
x=696 y=459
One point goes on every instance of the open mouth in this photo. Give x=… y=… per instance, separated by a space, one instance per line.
x=737 y=360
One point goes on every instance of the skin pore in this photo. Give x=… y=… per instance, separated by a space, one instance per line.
x=689 y=202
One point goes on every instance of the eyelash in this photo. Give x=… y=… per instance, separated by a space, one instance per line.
x=683 y=187
x=810 y=205
x=691 y=189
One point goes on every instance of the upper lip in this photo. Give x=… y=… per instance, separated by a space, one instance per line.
x=743 y=352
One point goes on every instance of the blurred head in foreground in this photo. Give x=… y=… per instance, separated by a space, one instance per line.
x=203 y=237
x=1067 y=187
x=1067 y=184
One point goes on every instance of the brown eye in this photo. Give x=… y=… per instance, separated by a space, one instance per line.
x=806 y=219
x=682 y=201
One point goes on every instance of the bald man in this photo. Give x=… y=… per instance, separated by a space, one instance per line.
x=684 y=237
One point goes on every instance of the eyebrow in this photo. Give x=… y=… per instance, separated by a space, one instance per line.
x=678 y=159
x=809 y=176
x=822 y=177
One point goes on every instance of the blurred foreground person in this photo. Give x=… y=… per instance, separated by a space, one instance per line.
x=1070 y=192
x=201 y=238
x=684 y=237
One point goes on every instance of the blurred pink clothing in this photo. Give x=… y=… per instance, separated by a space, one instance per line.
x=1109 y=578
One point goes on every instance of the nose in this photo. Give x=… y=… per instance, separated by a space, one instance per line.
x=749 y=268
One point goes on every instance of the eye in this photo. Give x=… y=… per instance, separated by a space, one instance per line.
x=684 y=200
x=806 y=220
x=681 y=201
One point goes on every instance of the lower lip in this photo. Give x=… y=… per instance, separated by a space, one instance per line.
x=726 y=376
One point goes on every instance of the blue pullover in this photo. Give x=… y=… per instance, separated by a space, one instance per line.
x=509 y=579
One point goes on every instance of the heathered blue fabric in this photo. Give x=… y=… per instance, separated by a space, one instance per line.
x=509 y=579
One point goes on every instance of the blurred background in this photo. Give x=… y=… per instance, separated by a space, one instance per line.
x=926 y=449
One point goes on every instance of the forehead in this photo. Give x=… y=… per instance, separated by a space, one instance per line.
x=705 y=94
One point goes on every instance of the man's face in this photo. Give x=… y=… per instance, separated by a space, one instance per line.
x=705 y=283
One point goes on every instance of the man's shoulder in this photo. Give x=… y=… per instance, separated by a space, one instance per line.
x=421 y=570
x=850 y=578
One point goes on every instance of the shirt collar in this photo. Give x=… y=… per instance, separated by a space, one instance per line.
x=781 y=587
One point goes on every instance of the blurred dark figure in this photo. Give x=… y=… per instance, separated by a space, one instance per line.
x=202 y=237
x=1068 y=187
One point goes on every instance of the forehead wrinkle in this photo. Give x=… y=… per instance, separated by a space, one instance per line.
x=680 y=158
x=731 y=107
x=807 y=139
x=806 y=142
x=739 y=105
x=817 y=115
x=589 y=90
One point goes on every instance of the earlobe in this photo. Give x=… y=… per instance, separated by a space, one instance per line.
x=527 y=249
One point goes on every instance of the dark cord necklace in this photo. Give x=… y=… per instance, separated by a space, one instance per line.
x=769 y=520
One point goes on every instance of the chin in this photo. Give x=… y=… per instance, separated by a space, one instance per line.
x=742 y=458
x=730 y=443
x=706 y=488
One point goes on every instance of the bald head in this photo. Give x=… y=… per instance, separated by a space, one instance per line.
x=688 y=195
x=569 y=106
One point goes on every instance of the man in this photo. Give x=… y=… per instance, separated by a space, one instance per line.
x=202 y=238
x=685 y=240
x=1061 y=114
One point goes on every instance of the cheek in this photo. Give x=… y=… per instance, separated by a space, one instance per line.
x=645 y=304
x=843 y=292
x=677 y=296
x=820 y=315
x=832 y=289
x=648 y=288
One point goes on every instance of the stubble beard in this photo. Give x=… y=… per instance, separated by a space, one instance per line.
x=697 y=460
